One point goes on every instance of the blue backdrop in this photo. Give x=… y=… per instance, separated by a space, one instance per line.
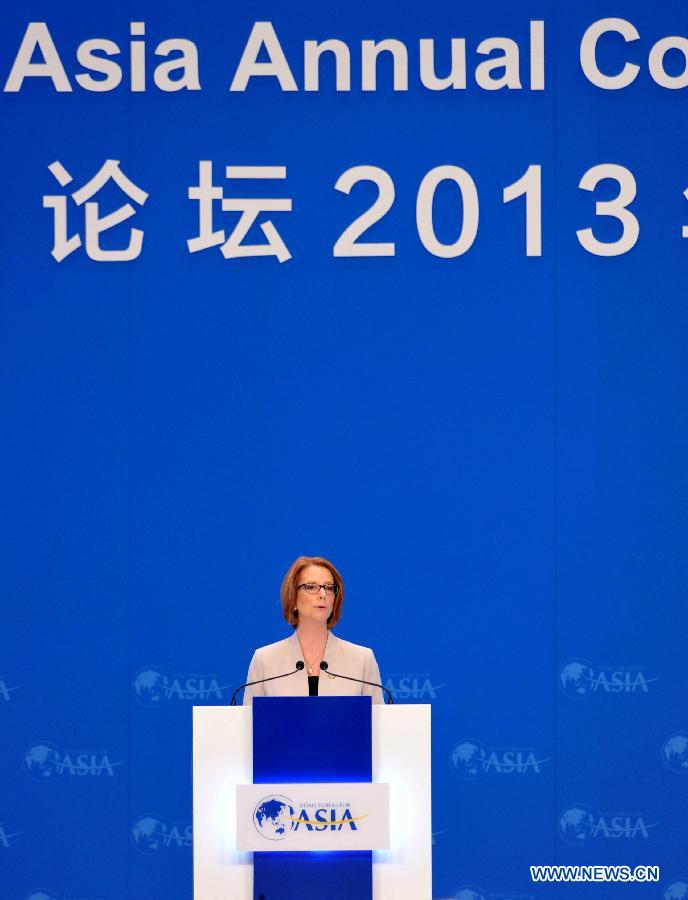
x=491 y=447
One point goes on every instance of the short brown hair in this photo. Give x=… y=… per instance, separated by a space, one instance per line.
x=290 y=588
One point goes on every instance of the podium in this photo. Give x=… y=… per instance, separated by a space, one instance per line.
x=296 y=747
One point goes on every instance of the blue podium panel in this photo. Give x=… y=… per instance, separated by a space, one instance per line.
x=312 y=739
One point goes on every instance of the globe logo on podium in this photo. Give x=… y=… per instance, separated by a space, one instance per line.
x=468 y=759
x=575 y=678
x=41 y=761
x=575 y=824
x=677 y=890
x=148 y=834
x=675 y=753
x=273 y=817
x=40 y=895
x=151 y=686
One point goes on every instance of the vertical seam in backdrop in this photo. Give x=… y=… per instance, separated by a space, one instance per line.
x=130 y=373
x=555 y=536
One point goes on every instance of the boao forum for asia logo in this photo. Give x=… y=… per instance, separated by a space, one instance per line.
x=45 y=761
x=152 y=833
x=471 y=892
x=414 y=686
x=153 y=687
x=6 y=689
x=579 y=825
x=470 y=759
x=675 y=753
x=579 y=678
x=49 y=894
x=676 y=890
x=7 y=836
x=276 y=816
x=42 y=894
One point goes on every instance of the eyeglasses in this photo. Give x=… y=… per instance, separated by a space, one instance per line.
x=310 y=587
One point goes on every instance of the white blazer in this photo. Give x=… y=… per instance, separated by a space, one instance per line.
x=341 y=656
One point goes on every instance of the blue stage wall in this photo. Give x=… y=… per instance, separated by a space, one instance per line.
x=490 y=445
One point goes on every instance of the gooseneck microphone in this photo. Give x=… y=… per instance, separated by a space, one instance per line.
x=325 y=668
x=299 y=667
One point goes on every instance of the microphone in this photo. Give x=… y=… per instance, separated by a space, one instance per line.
x=299 y=667
x=325 y=667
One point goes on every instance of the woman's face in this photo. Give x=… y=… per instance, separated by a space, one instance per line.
x=315 y=607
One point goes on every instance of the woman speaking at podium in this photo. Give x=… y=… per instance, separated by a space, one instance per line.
x=312 y=597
